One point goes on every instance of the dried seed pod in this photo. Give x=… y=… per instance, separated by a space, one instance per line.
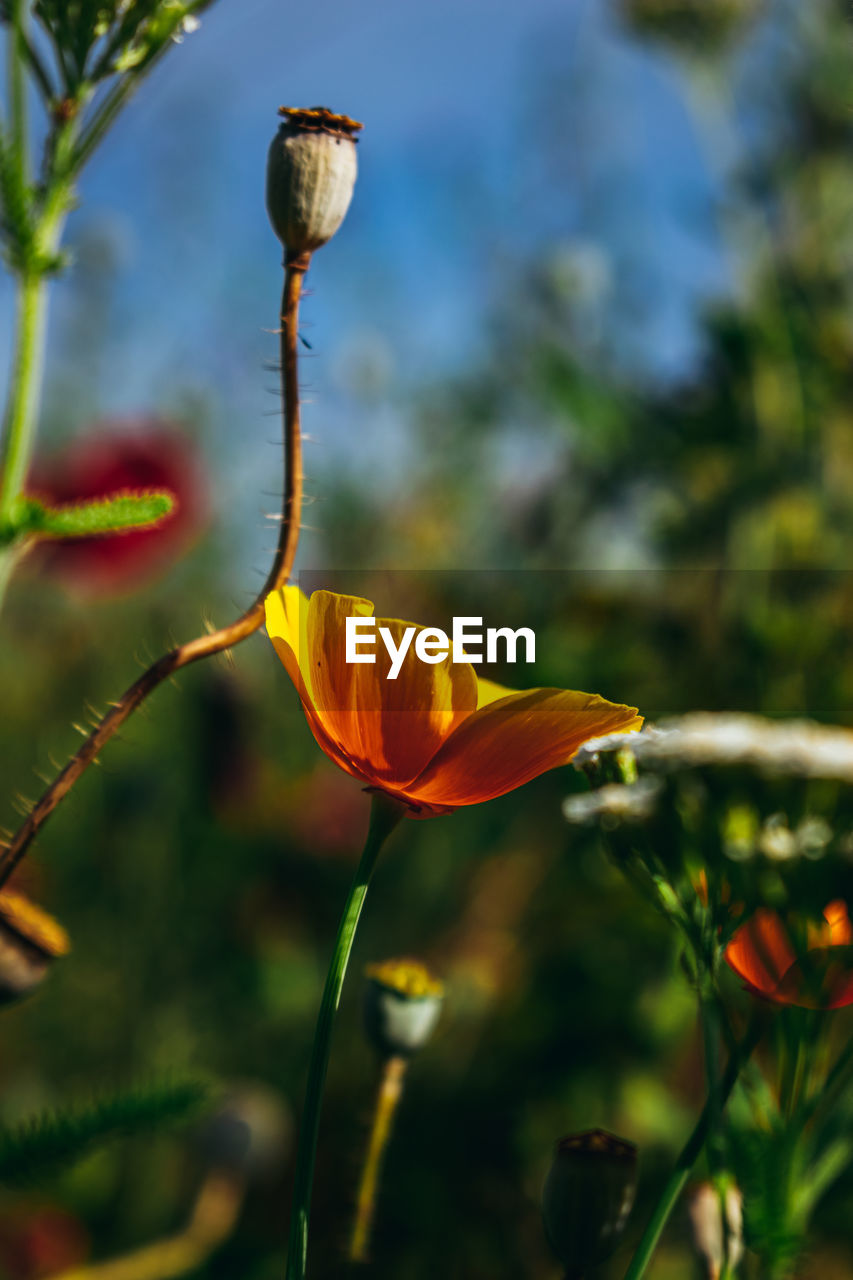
x=588 y=1195
x=30 y=941
x=402 y=1004
x=311 y=171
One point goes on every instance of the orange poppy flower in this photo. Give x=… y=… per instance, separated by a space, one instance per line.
x=436 y=737
x=818 y=975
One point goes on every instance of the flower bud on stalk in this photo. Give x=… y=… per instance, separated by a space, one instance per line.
x=311 y=171
x=588 y=1195
x=30 y=941
x=402 y=1004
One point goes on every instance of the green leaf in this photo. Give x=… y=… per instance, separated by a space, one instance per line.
x=50 y=1140
x=114 y=514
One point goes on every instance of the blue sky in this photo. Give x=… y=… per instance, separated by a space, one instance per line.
x=495 y=130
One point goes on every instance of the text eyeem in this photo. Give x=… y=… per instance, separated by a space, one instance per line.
x=432 y=645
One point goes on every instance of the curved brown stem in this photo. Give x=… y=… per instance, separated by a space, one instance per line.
x=225 y=637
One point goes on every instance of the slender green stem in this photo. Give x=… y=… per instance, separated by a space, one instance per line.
x=688 y=1157
x=711 y=1040
x=28 y=363
x=24 y=390
x=384 y=816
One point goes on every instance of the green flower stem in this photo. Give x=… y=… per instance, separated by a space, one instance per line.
x=688 y=1157
x=25 y=382
x=24 y=390
x=711 y=1041
x=384 y=816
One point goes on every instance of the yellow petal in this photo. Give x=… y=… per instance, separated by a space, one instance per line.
x=509 y=741
x=287 y=618
x=287 y=626
x=490 y=691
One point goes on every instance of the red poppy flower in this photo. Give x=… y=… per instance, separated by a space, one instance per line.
x=134 y=455
x=437 y=736
x=816 y=975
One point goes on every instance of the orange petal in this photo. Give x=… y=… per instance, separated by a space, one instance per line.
x=389 y=729
x=509 y=741
x=840 y=928
x=761 y=952
x=822 y=979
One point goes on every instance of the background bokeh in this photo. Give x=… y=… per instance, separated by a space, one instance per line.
x=583 y=347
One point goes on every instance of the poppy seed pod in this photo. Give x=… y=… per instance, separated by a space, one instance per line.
x=402 y=1004
x=30 y=941
x=588 y=1195
x=311 y=170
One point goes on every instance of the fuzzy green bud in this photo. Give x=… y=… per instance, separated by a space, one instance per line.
x=402 y=1004
x=311 y=171
x=588 y=1196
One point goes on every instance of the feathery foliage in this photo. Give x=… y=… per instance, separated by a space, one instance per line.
x=51 y=1139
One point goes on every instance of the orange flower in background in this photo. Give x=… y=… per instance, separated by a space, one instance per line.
x=817 y=975
x=436 y=737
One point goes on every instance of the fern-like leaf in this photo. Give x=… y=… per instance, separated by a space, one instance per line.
x=50 y=1140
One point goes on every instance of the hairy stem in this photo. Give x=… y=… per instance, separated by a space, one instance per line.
x=24 y=390
x=387 y=1101
x=384 y=816
x=215 y=642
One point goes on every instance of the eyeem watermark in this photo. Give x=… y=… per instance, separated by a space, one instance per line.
x=433 y=645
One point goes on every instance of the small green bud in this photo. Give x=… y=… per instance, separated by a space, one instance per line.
x=588 y=1195
x=402 y=1004
x=311 y=171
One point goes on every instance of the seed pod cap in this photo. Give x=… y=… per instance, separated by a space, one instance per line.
x=588 y=1196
